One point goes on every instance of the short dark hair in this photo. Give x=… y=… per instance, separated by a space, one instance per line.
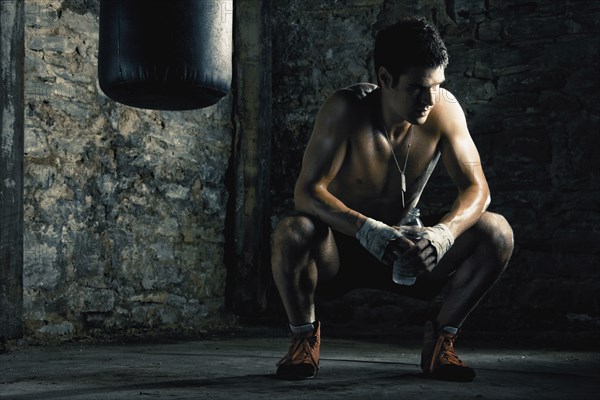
x=410 y=42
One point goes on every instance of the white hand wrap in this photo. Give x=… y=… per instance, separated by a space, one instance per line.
x=441 y=238
x=375 y=236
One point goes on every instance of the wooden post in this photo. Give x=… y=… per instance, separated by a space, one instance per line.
x=249 y=231
x=11 y=167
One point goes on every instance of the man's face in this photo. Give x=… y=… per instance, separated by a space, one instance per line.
x=416 y=92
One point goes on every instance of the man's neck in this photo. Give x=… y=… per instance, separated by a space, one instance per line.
x=395 y=125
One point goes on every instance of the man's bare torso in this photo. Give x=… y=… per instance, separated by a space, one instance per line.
x=368 y=180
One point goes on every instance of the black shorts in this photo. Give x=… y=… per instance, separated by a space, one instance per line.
x=360 y=269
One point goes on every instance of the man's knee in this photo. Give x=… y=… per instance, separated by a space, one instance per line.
x=297 y=232
x=495 y=231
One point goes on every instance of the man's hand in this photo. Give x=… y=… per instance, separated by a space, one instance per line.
x=387 y=244
x=428 y=252
x=440 y=238
x=396 y=248
x=419 y=258
x=377 y=237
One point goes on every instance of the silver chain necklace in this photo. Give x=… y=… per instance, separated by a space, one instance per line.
x=402 y=170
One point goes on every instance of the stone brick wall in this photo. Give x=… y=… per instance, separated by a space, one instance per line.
x=124 y=208
x=526 y=74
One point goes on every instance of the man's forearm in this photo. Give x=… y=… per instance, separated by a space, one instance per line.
x=470 y=204
x=329 y=209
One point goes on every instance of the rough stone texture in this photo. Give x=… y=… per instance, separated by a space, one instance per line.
x=310 y=64
x=526 y=76
x=124 y=208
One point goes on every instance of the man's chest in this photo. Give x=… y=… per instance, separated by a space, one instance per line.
x=375 y=167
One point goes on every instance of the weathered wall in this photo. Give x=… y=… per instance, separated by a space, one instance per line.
x=124 y=208
x=526 y=75
x=248 y=229
x=11 y=169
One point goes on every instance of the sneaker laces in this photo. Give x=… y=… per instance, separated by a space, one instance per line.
x=444 y=348
x=301 y=352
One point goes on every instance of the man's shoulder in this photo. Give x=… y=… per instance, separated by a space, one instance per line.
x=358 y=91
x=446 y=113
x=352 y=99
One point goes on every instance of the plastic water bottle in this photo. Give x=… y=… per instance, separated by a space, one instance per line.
x=412 y=228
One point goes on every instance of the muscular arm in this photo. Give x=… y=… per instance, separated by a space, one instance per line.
x=461 y=159
x=323 y=157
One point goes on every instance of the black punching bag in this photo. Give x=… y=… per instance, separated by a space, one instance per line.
x=165 y=54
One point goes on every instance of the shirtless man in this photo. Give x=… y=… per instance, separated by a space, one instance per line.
x=349 y=197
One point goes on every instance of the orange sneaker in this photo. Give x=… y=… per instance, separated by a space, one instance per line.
x=438 y=359
x=302 y=358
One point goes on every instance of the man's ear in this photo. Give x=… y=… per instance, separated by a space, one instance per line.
x=384 y=77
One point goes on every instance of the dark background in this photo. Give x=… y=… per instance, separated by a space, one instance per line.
x=526 y=74
x=140 y=222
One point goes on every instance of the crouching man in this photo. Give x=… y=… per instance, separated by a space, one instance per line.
x=365 y=166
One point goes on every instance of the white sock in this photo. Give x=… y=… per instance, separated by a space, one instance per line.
x=450 y=329
x=302 y=330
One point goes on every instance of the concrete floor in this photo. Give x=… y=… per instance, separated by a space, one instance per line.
x=242 y=368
